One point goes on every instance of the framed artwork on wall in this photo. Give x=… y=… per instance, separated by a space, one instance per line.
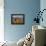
x=17 y=19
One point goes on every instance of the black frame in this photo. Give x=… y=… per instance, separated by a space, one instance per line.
x=17 y=15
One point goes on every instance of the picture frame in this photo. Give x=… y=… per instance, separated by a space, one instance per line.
x=17 y=19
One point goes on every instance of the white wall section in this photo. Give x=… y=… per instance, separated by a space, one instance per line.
x=1 y=20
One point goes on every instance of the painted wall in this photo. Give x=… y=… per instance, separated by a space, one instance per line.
x=27 y=7
x=43 y=6
x=1 y=20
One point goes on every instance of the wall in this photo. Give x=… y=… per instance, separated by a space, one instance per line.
x=27 y=7
x=43 y=6
x=1 y=21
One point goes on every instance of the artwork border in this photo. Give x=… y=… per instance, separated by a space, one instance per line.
x=18 y=15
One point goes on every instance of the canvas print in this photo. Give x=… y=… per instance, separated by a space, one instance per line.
x=17 y=18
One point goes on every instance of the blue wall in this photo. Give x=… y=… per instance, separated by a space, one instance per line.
x=43 y=6
x=27 y=7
